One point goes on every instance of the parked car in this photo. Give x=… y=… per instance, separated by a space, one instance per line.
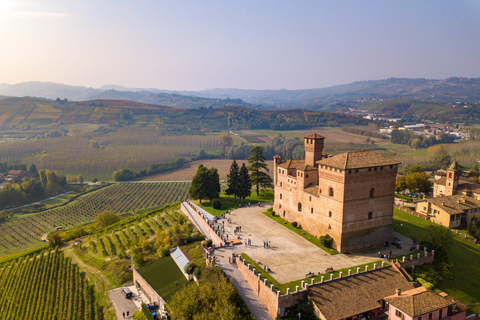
x=127 y=293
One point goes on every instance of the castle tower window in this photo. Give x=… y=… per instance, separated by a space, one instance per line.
x=281 y=184
x=329 y=214
x=391 y=167
x=306 y=176
x=310 y=198
x=311 y=210
x=329 y=227
x=370 y=215
x=280 y=196
x=450 y=175
x=372 y=191
x=330 y=192
x=299 y=207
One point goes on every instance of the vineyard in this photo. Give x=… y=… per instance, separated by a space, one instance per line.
x=46 y=286
x=26 y=231
x=99 y=155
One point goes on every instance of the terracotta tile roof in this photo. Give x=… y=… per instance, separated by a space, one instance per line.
x=442 y=181
x=356 y=160
x=455 y=204
x=306 y=167
x=14 y=172
x=314 y=136
x=312 y=189
x=292 y=164
x=360 y=293
x=419 y=301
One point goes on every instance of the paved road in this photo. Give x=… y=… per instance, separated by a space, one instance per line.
x=58 y=195
x=257 y=308
x=121 y=304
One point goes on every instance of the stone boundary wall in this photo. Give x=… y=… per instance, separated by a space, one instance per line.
x=210 y=233
x=409 y=210
x=418 y=260
x=278 y=304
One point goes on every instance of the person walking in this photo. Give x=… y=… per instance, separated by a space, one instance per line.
x=128 y=314
x=124 y=315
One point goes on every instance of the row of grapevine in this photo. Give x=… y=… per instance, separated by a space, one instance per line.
x=46 y=286
x=25 y=232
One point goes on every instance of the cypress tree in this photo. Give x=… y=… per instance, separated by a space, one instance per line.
x=233 y=180
x=245 y=185
x=257 y=164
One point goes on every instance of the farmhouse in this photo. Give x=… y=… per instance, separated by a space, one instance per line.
x=456 y=201
x=348 y=196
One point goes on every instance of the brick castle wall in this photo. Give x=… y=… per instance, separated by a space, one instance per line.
x=215 y=237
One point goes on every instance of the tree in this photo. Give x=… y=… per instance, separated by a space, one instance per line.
x=212 y=297
x=33 y=170
x=416 y=143
x=123 y=174
x=54 y=240
x=233 y=185
x=225 y=139
x=257 y=164
x=418 y=182
x=245 y=184
x=400 y=184
x=440 y=156
x=439 y=237
x=106 y=218
x=205 y=184
x=198 y=187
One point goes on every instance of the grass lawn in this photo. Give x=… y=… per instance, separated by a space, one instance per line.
x=463 y=255
x=162 y=275
x=292 y=285
x=300 y=232
x=229 y=203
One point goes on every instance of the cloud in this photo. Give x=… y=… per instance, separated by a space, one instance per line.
x=39 y=14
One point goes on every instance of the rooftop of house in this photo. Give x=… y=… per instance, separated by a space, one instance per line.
x=359 y=293
x=455 y=204
x=419 y=301
x=292 y=164
x=357 y=160
x=14 y=172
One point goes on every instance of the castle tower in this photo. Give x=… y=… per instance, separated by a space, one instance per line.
x=313 y=148
x=451 y=182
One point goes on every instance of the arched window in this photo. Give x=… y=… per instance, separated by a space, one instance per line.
x=299 y=207
x=372 y=191
x=330 y=192
x=330 y=214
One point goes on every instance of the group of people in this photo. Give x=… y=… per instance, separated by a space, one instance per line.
x=267 y=268
x=266 y=243
x=247 y=242
x=128 y=314
x=386 y=256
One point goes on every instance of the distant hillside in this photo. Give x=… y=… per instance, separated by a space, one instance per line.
x=44 y=114
x=442 y=91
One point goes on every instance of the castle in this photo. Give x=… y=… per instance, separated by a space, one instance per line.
x=348 y=196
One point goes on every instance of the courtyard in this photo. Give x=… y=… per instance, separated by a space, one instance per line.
x=289 y=256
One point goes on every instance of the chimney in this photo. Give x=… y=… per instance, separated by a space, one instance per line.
x=399 y=292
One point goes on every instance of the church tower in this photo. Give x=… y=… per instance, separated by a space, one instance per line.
x=451 y=183
x=313 y=148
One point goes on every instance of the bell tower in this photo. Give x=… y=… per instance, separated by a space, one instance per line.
x=451 y=182
x=313 y=148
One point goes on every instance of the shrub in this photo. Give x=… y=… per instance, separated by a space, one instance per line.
x=197 y=272
x=190 y=267
x=216 y=204
x=294 y=224
x=326 y=240
x=208 y=243
x=273 y=213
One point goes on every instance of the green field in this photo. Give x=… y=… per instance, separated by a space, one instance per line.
x=229 y=202
x=27 y=230
x=164 y=276
x=463 y=254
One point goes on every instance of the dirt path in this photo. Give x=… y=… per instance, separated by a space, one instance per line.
x=96 y=275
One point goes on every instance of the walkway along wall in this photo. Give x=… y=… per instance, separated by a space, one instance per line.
x=278 y=305
x=188 y=211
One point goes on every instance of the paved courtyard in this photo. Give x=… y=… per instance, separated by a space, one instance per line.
x=290 y=256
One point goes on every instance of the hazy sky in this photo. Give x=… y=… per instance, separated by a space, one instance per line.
x=193 y=45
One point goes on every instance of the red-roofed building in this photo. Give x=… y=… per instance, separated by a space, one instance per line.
x=349 y=196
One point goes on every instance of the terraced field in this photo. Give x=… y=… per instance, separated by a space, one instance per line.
x=26 y=231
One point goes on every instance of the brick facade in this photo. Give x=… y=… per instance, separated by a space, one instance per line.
x=349 y=196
